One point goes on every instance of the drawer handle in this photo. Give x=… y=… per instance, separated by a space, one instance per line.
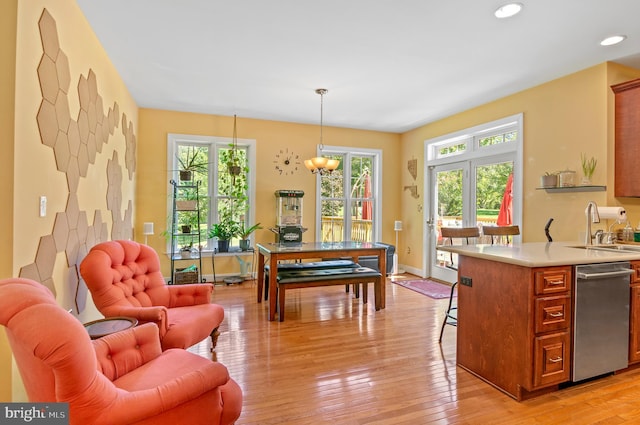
x=556 y=314
x=556 y=281
x=556 y=360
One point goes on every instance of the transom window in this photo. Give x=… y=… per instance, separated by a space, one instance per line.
x=500 y=136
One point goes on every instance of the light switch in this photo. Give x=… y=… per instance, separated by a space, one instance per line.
x=43 y=206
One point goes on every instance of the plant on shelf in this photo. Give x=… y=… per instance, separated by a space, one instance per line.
x=191 y=159
x=224 y=231
x=185 y=251
x=588 y=168
x=244 y=233
x=549 y=179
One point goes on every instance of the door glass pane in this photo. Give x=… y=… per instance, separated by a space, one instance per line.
x=494 y=199
x=449 y=209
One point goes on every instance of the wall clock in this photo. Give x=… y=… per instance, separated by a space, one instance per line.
x=287 y=162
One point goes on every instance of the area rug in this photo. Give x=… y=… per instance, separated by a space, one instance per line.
x=427 y=287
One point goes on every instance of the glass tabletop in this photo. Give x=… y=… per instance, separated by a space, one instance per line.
x=318 y=246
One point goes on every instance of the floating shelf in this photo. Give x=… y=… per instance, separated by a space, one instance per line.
x=574 y=189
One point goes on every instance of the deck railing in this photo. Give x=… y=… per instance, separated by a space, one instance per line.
x=333 y=229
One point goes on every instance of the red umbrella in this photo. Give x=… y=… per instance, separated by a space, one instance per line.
x=505 y=216
x=367 y=207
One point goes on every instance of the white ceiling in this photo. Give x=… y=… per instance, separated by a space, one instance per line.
x=388 y=65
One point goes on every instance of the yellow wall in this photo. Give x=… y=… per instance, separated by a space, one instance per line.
x=36 y=171
x=8 y=22
x=562 y=119
x=271 y=136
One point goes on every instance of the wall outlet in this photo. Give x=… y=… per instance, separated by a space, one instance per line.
x=408 y=250
x=466 y=281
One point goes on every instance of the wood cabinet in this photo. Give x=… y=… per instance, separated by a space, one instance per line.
x=627 y=143
x=634 y=319
x=552 y=326
x=514 y=325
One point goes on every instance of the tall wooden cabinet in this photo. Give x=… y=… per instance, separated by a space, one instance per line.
x=627 y=143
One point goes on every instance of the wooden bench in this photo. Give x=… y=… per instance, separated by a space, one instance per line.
x=315 y=265
x=305 y=278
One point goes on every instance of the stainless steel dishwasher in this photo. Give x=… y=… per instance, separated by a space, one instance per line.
x=601 y=319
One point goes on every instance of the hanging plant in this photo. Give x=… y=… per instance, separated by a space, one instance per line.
x=234 y=170
x=233 y=166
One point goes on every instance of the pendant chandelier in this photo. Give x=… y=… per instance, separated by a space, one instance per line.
x=320 y=164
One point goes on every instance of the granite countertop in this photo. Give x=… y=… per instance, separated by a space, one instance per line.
x=544 y=254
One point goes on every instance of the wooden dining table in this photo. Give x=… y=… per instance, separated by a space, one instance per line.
x=276 y=252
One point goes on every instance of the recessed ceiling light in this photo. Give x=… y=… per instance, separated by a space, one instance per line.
x=508 y=10
x=614 y=39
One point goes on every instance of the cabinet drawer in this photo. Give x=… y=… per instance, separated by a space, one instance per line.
x=552 y=313
x=551 y=359
x=552 y=280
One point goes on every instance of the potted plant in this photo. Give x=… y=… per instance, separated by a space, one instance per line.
x=588 y=168
x=224 y=231
x=233 y=163
x=244 y=233
x=549 y=180
x=185 y=251
x=191 y=159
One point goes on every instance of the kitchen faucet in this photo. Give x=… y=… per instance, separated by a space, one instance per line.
x=591 y=210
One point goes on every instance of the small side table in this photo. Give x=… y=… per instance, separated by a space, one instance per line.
x=108 y=325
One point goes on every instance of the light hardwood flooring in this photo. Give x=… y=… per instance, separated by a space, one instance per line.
x=335 y=361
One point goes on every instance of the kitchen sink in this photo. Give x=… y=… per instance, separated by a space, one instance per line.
x=611 y=248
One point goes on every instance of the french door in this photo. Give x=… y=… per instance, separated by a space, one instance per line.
x=465 y=194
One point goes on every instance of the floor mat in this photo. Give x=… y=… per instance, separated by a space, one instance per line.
x=427 y=287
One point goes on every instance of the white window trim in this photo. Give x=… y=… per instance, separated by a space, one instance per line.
x=377 y=168
x=470 y=136
x=474 y=152
x=214 y=141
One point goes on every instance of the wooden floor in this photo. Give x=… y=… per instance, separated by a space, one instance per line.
x=335 y=361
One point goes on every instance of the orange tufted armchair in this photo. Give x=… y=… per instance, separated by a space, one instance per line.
x=122 y=378
x=125 y=280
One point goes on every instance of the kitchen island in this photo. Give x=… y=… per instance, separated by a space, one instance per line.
x=515 y=321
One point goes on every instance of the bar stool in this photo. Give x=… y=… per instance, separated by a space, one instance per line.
x=499 y=233
x=466 y=235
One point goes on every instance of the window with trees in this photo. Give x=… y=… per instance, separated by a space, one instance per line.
x=349 y=198
x=225 y=177
x=474 y=179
